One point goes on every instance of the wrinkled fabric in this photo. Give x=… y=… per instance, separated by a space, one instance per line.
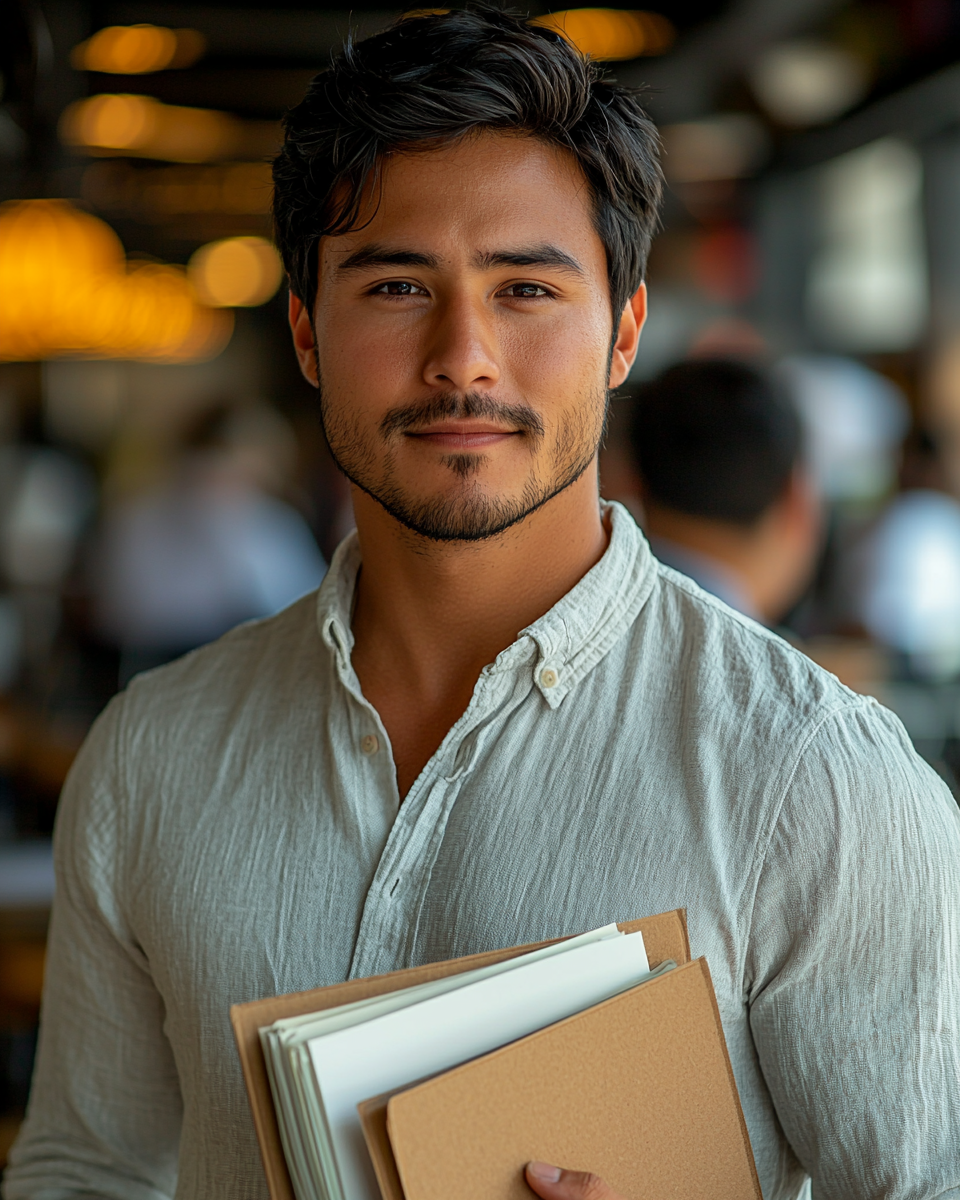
x=224 y=836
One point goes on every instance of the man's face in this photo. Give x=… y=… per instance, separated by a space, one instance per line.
x=463 y=336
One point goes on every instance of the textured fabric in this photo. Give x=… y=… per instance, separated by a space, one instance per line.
x=713 y=576
x=223 y=836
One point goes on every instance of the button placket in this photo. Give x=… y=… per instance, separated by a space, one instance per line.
x=391 y=911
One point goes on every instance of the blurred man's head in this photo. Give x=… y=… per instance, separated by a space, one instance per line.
x=719 y=452
x=464 y=207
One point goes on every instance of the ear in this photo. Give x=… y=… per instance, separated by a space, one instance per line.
x=628 y=336
x=301 y=325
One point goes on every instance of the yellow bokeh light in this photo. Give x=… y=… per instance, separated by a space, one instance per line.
x=611 y=33
x=142 y=126
x=138 y=49
x=66 y=289
x=238 y=272
x=112 y=122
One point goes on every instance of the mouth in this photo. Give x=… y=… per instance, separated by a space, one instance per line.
x=463 y=435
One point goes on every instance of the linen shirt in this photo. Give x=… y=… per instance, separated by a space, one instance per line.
x=233 y=829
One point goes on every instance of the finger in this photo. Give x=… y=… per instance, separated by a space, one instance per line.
x=553 y=1183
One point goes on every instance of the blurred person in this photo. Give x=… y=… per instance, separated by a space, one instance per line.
x=209 y=548
x=499 y=719
x=725 y=495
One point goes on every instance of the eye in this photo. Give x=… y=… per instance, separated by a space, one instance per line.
x=525 y=291
x=399 y=287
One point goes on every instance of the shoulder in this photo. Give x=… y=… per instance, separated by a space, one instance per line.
x=769 y=718
x=736 y=664
x=198 y=699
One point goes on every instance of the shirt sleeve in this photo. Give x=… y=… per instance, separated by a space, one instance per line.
x=105 y=1107
x=853 y=977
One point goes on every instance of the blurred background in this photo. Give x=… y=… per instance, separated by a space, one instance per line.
x=162 y=471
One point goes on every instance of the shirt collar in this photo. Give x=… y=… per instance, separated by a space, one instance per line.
x=562 y=645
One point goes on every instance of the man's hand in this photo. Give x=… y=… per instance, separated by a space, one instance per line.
x=552 y=1183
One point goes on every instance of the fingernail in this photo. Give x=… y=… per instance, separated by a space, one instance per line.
x=544 y=1171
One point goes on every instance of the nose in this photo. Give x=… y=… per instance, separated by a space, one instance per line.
x=463 y=353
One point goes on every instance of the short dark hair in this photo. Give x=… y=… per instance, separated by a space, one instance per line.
x=432 y=79
x=715 y=438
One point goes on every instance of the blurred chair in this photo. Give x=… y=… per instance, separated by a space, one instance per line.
x=181 y=564
x=726 y=496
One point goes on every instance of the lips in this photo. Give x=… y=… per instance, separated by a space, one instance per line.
x=468 y=436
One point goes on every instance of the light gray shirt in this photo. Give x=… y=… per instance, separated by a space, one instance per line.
x=232 y=829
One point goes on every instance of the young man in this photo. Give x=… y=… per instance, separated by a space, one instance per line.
x=499 y=720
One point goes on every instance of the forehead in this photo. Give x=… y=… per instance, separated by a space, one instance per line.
x=484 y=193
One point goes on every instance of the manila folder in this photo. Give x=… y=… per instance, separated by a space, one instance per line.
x=638 y=1090
x=664 y=937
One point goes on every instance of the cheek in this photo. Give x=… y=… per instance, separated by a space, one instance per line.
x=364 y=368
x=561 y=360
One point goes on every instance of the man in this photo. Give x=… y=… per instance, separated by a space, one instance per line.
x=725 y=495
x=498 y=720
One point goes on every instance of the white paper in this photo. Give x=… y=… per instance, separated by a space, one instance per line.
x=390 y=1051
x=300 y=1114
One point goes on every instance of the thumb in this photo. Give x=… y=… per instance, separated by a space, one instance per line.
x=553 y=1183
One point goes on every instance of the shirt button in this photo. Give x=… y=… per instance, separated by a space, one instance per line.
x=369 y=743
x=549 y=678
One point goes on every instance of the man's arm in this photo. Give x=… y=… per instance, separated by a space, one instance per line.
x=853 y=966
x=105 y=1108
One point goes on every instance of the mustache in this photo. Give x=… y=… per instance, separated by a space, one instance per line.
x=458 y=406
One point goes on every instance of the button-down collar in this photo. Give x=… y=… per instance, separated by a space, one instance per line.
x=569 y=640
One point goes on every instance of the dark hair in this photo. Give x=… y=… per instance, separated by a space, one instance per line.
x=432 y=79
x=715 y=438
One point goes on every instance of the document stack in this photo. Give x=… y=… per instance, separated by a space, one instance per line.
x=445 y=1080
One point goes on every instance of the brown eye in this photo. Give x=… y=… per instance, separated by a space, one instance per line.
x=526 y=291
x=398 y=287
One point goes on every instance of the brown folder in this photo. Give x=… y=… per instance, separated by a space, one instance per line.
x=664 y=936
x=638 y=1090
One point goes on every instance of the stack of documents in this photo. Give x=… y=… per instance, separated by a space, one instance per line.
x=322 y=1065
x=440 y=1082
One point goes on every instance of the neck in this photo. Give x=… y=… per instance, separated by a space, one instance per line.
x=430 y=615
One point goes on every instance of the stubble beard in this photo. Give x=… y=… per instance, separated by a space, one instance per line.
x=468 y=513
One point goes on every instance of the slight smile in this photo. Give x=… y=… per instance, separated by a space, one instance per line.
x=465 y=435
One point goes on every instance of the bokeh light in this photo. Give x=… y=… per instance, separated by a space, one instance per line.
x=138 y=49
x=238 y=272
x=142 y=126
x=66 y=289
x=807 y=82
x=611 y=33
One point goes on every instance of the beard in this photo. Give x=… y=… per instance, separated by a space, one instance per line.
x=468 y=512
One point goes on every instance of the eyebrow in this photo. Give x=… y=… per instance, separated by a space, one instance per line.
x=386 y=256
x=377 y=256
x=532 y=256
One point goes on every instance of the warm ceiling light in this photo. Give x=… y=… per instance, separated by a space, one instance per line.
x=112 y=122
x=239 y=272
x=138 y=49
x=611 y=33
x=144 y=127
x=66 y=289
